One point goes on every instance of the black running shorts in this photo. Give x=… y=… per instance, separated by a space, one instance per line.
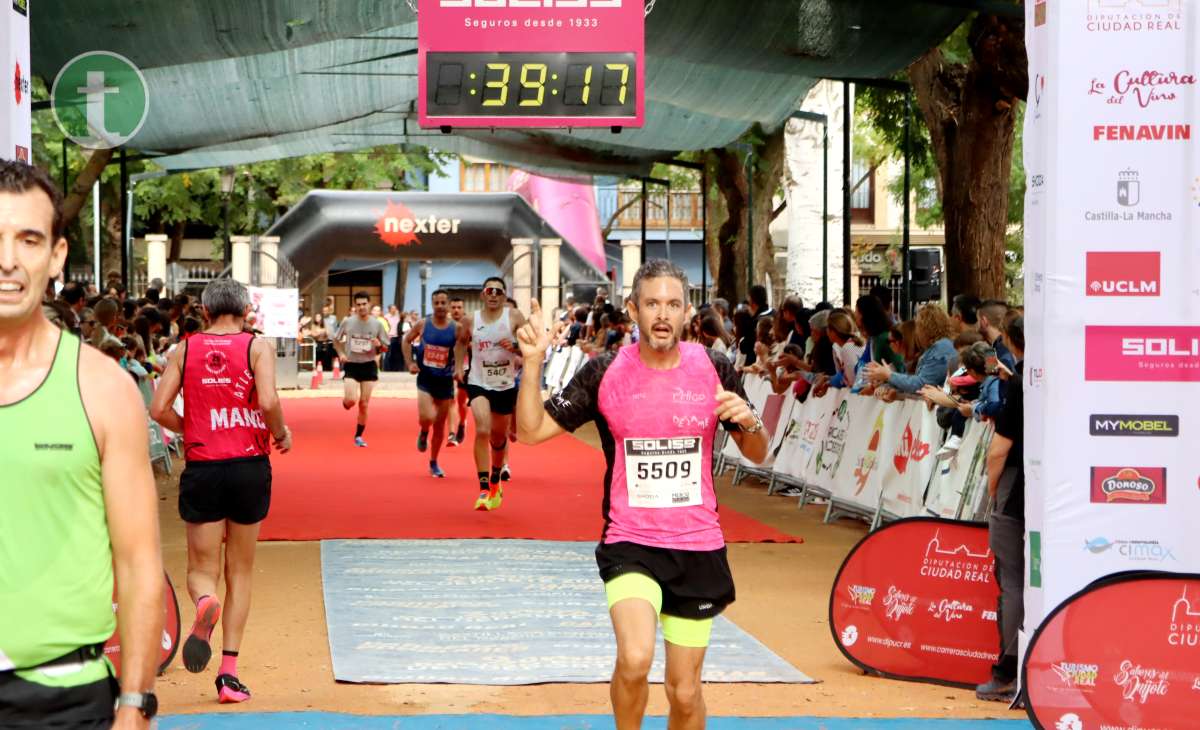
x=25 y=704
x=363 y=372
x=695 y=584
x=238 y=490
x=440 y=387
x=503 y=402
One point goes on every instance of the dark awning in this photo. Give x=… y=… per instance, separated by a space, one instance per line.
x=237 y=81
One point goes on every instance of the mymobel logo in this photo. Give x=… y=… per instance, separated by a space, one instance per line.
x=1117 y=425
x=21 y=6
x=100 y=100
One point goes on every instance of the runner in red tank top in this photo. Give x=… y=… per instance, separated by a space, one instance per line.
x=231 y=413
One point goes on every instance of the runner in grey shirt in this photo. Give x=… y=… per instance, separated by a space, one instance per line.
x=359 y=340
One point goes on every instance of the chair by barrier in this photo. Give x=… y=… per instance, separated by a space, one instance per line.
x=158 y=446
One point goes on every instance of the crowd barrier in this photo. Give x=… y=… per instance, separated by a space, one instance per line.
x=865 y=457
x=561 y=366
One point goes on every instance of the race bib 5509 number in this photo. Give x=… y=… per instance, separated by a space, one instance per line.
x=664 y=472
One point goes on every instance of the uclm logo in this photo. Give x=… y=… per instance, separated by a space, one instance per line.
x=1142 y=354
x=1129 y=484
x=1123 y=274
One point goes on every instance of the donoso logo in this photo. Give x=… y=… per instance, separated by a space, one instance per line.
x=1123 y=274
x=1129 y=484
x=1142 y=354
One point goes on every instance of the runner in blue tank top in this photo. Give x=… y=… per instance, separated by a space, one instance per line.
x=441 y=362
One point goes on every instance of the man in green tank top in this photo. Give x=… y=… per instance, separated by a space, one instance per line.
x=79 y=504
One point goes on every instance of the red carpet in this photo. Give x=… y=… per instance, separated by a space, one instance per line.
x=327 y=488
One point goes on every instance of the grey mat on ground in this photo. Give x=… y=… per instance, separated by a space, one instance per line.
x=492 y=612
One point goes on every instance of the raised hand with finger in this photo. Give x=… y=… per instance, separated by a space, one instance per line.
x=533 y=338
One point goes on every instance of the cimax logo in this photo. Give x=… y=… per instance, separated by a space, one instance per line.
x=1123 y=274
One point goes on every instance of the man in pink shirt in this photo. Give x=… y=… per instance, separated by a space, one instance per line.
x=662 y=554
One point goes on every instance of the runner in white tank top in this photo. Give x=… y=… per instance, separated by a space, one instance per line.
x=491 y=386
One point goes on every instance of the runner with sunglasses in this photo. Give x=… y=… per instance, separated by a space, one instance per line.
x=491 y=386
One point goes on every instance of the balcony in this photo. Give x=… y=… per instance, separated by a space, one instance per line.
x=686 y=208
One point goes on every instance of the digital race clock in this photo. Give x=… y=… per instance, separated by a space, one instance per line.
x=571 y=64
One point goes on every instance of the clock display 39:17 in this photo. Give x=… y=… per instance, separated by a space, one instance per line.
x=531 y=85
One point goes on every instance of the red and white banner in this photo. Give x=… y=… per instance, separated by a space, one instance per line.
x=916 y=599
x=1082 y=674
x=169 y=644
x=910 y=463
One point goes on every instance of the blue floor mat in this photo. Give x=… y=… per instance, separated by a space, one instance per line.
x=500 y=612
x=329 y=721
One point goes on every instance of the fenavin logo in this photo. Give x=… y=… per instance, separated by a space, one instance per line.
x=1103 y=424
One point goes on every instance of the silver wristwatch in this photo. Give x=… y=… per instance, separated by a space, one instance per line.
x=758 y=426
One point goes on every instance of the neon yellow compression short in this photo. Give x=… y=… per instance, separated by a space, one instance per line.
x=690 y=632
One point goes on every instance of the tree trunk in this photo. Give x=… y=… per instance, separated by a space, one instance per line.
x=82 y=187
x=730 y=240
x=970 y=111
x=728 y=249
x=768 y=173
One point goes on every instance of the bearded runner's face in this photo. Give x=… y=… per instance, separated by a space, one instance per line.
x=660 y=311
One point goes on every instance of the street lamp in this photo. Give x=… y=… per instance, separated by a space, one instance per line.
x=227 y=179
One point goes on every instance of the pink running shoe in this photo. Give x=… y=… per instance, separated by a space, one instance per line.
x=196 y=651
x=229 y=689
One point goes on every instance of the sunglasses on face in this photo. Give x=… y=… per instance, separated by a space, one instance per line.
x=492 y=291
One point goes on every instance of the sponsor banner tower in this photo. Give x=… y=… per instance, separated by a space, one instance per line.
x=1112 y=298
x=15 y=128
